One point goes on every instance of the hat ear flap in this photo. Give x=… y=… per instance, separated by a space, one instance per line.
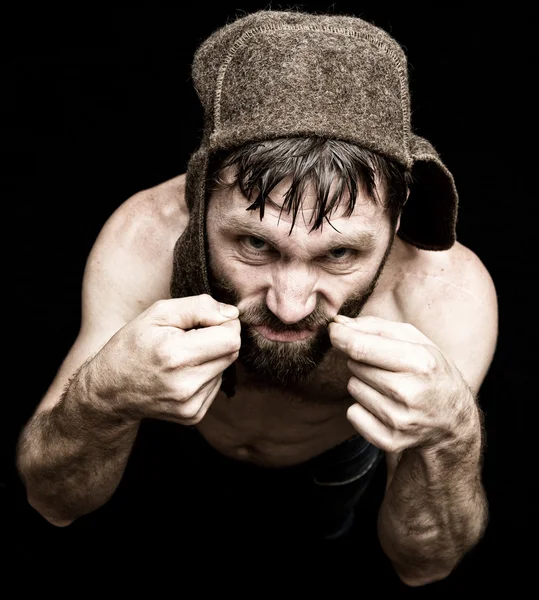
x=190 y=261
x=190 y=256
x=195 y=177
x=429 y=218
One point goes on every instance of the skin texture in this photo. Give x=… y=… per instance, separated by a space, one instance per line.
x=405 y=374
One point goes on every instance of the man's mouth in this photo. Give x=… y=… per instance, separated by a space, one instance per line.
x=283 y=336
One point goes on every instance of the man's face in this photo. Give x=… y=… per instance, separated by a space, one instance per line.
x=288 y=288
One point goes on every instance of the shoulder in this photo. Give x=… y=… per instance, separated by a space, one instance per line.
x=450 y=297
x=151 y=217
x=131 y=260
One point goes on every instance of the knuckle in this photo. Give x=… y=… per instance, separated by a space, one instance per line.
x=206 y=302
x=392 y=445
x=157 y=312
x=399 y=393
x=162 y=354
x=201 y=413
x=190 y=410
x=196 y=419
x=184 y=359
x=432 y=362
x=352 y=385
x=428 y=364
x=357 y=349
x=190 y=388
x=409 y=396
x=391 y=421
x=158 y=306
x=167 y=356
x=400 y=422
x=234 y=343
x=229 y=341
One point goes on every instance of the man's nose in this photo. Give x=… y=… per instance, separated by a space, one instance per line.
x=292 y=295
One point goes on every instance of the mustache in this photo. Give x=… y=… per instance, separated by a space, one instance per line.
x=259 y=315
x=256 y=315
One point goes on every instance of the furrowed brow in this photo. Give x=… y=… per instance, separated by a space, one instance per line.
x=361 y=240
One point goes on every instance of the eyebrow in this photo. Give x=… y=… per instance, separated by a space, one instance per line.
x=361 y=240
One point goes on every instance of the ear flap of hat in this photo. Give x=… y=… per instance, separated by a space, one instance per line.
x=429 y=218
x=189 y=269
x=190 y=256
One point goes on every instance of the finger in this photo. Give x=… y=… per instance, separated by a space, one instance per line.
x=233 y=325
x=382 y=380
x=201 y=374
x=381 y=352
x=392 y=414
x=391 y=329
x=210 y=391
x=200 y=346
x=191 y=412
x=190 y=312
x=372 y=429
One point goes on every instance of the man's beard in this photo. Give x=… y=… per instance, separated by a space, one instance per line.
x=285 y=364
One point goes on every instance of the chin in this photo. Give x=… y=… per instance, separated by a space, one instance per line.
x=279 y=363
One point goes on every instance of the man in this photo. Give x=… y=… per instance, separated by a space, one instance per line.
x=295 y=306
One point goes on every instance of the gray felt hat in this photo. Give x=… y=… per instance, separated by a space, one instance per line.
x=274 y=74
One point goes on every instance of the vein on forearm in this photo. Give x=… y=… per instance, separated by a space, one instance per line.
x=435 y=509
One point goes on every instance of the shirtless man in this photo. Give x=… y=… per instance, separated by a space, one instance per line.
x=347 y=334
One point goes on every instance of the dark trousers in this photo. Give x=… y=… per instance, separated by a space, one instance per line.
x=222 y=497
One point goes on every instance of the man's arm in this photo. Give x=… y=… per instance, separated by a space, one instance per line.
x=73 y=451
x=72 y=456
x=435 y=509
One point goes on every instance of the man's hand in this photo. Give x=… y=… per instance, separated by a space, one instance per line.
x=168 y=362
x=407 y=393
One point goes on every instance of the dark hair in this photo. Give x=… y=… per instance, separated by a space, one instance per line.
x=260 y=166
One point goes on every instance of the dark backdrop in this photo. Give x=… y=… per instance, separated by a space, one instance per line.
x=101 y=106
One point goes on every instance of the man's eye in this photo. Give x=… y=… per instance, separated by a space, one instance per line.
x=341 y=253
x=254 y=243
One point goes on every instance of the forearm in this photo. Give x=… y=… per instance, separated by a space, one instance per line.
x=71 y=458
x=434 y=511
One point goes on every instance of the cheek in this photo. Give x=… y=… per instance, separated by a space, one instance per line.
x=247 y=280
x=343 y=290
x=338 y=287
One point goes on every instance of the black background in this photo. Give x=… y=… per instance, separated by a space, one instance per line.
x=100 y=106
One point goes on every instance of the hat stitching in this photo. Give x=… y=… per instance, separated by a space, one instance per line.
x=317 y=29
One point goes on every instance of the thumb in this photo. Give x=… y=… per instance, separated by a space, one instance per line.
x=192 y=311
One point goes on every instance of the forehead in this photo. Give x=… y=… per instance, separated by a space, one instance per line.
x=228 y=207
